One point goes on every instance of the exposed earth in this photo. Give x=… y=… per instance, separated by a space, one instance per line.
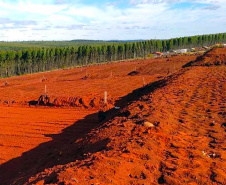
x=170 y=129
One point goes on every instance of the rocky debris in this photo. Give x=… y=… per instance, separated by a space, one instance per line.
x=148 y=124
x=44 y=100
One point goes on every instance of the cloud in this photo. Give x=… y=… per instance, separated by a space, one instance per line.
x=212 y=7
x=59 y=1
x=29 y=7
x=137 y=19
x=210 y=2
x=72 y=27
x=4 y=20
x=7 y=23
x=136 y=27
x=136 y=2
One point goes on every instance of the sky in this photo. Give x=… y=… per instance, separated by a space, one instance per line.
x=23 y=20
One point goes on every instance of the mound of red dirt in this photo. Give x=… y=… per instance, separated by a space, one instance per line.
x=216 y=56
x=85 y=102
x=133 y=73
x=172 y=135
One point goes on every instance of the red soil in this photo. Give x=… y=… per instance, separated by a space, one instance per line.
x=22 y=128
x=216 y=56
x=112 y=78
x=186 y=143
x=82 y=102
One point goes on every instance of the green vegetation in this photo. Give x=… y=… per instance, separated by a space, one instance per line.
x=18 y=58
x=16 y=46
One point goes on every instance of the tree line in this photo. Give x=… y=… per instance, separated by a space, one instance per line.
x=32 y=60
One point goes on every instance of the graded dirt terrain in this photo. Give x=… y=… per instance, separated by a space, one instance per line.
x=22 y=128
x=43 y=131
x=172 y=131
x=175 y=134
x=89 y=82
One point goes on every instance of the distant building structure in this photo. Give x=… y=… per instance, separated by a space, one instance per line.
x=205 y=47
x=157 y=54
x=181 y=51
x=166 y=53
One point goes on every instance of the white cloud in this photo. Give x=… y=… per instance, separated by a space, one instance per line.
x=145 y=19
x=29 y=7
x=136 y=2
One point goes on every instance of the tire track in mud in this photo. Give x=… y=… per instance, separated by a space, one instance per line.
x=22 y=129
x=200 y=114
x=194 y=119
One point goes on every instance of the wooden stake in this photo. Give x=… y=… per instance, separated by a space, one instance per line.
x=144 y=82
x=45 y=89
x=105 y=97
x=135 y=68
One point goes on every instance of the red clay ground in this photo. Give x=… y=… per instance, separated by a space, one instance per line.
x=185 y=145
x=213 y=57
x=22 y=129
x=113 y=78
x=27 y=129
